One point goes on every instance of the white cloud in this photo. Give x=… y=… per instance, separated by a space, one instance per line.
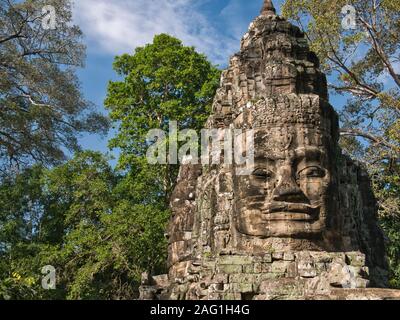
x=119 y=26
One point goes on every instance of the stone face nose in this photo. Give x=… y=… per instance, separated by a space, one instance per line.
x=287 y=189
x=268 y=8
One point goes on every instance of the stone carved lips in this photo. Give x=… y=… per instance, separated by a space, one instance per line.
x=290 y=211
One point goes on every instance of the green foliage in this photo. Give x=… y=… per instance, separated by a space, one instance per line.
x=163 y=81
x=42 y=108
x=22 y=251
x=17 y=287
x=74 y=218
x=391 y=226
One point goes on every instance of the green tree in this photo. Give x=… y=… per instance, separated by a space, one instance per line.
x=23 y=250
x=79 y=218
x=163 y=81
x=41 y=107
x=360 y=53
x=108 y=239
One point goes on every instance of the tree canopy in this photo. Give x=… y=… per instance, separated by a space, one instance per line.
x=163 y=81
x=42 y=110
x=79 y=219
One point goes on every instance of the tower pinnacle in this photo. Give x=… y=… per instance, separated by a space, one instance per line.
x=268 y=8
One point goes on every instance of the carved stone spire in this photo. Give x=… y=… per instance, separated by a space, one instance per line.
x=297 y=222
x=268 y=8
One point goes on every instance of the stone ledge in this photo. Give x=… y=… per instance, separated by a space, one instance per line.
x=365 y=294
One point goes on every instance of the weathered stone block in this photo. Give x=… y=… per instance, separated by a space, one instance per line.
x=321 y=257
x=280 y=266
x=287 y=288
x=242 y=287
x=356 y=259
x=232 y=296
x=229 y=268
x=292 y=270
x=214 y=296
x=306 y=269
x=267 y=257
x=269 y=276
x=258 y=267
x=220 y=278
x=239 y=260
x=277 y=256
x=266 y=267
x=250 y=268
x=242 y=278
x=288 y=256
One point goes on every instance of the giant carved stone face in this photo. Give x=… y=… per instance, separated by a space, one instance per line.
x=286 y=193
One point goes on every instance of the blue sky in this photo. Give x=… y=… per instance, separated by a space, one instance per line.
x=111 y=28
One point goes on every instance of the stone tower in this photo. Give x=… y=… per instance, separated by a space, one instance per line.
x=302 y=223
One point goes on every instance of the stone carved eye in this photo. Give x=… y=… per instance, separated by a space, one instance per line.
x=312 y=172
x=262 y=173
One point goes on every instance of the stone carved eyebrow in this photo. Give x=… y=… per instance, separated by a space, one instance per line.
x=313 y=153
x=309 y=152
x=269 y=157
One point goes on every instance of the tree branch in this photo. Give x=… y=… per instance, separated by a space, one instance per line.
x=376 y=140
x=342 y=65
x=379 y=50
